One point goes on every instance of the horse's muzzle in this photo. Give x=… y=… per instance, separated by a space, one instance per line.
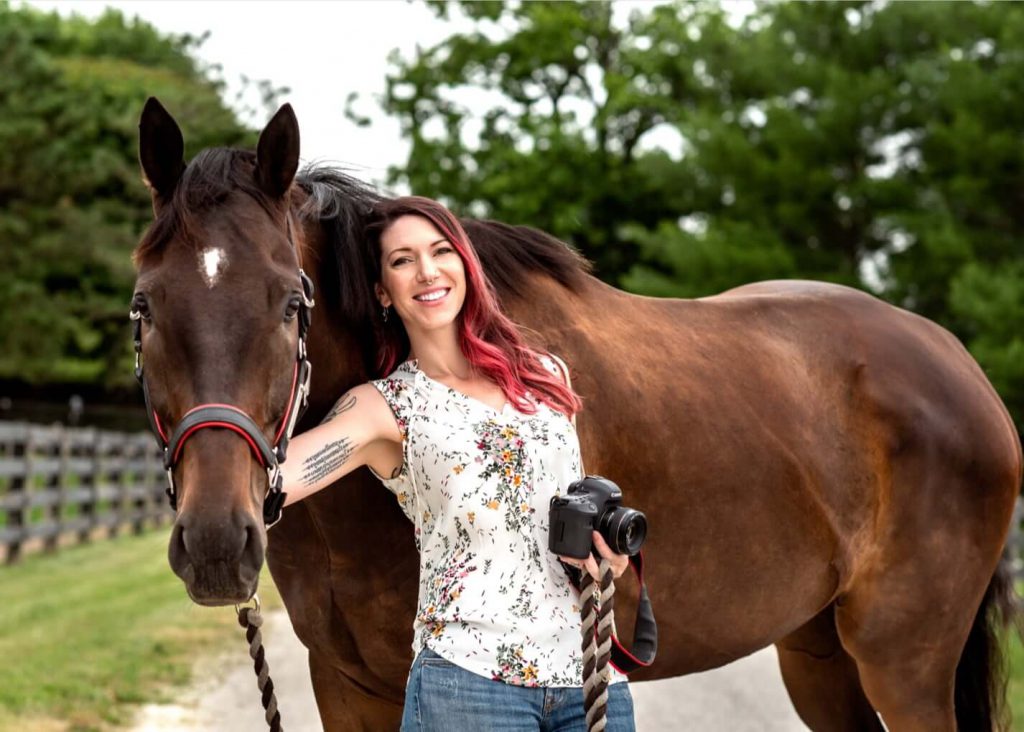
x=218 y=560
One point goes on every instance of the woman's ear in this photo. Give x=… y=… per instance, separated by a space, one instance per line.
x=382 y=296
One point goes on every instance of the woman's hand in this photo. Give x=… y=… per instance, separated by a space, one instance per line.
x=618 y=562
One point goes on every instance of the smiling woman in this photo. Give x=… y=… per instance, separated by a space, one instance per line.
x=474 y=432
x=422 y=275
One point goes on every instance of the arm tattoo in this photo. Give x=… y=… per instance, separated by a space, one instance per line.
x=344 y=404
x=326 y=460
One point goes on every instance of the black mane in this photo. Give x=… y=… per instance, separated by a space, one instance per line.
x=508 y=253
x=208 y=179
x=343 y=205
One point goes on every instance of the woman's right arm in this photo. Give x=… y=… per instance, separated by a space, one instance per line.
x=358 y=430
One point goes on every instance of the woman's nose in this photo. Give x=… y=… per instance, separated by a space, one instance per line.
x=427 y=270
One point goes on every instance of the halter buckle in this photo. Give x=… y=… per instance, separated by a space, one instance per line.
x=172 y=494
x=307 y=289
x=273 y=501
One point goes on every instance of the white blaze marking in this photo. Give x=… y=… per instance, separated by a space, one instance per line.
x=212 y=263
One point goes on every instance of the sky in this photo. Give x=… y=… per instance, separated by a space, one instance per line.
x=321 y=50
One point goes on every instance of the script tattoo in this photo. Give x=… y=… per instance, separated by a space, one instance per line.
x=326 y=460
x=344 y=404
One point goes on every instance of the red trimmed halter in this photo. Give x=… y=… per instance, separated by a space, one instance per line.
x=226 y=416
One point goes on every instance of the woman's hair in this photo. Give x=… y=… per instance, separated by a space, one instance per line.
x=489 y=340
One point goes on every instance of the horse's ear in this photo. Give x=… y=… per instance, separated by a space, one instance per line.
x=161 y=150
x=277 y=153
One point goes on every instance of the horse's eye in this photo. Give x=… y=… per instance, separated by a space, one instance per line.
x=293 y=308
x=140 y=305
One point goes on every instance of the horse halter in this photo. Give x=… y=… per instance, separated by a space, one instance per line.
x=226 y=416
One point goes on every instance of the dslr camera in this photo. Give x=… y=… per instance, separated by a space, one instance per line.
x=594 y=504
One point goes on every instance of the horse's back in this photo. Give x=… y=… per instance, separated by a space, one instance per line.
x=814 y=429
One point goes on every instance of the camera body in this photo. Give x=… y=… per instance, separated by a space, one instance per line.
x=594 y=504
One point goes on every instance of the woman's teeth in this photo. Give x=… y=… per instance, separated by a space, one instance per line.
x=430 y=297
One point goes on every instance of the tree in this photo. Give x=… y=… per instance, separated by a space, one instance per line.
x=873 y=144
x=72 y=204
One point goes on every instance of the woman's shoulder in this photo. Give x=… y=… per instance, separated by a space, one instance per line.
x=404 y=372
x=555 y=365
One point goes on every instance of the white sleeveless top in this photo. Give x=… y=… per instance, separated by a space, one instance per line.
x=476 y=483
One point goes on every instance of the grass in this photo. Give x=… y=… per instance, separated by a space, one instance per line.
x=1015 y=687
x=93 y=631
x=88 y=634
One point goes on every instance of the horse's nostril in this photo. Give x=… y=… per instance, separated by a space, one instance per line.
x=177 y=550
x=253 y=550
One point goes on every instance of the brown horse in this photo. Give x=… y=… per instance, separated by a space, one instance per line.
x=823 y=471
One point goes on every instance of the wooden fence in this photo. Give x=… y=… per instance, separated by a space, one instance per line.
x=61 y=485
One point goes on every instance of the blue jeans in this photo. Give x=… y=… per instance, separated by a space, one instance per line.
x=441 y=697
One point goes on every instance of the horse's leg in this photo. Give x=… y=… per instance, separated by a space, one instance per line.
x=906 y=660
x=907 y=613
x=345 y=705
x=822 y=679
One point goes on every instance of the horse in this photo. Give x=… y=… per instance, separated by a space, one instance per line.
x=823 y=471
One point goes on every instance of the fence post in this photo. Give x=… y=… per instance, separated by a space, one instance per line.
x=56 y=485
x=87 y=509
x=20 y=484
x=138 y=485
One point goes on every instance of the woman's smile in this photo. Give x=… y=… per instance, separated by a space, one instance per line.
x=432 y=297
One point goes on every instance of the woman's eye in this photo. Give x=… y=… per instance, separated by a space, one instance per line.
x=400 y=261
x=293 y=308
x=443 y=250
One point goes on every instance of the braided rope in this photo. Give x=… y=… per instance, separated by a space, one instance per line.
x=598 y=624
x=250 y=619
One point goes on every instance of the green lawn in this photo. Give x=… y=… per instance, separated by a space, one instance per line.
x=90 y=632
x=1015 y=688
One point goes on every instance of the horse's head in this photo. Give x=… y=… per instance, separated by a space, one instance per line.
x=218 y=304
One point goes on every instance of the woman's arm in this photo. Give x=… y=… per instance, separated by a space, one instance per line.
x=618 y=562
x=359 y=429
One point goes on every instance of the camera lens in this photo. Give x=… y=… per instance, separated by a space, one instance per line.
x=625 y=530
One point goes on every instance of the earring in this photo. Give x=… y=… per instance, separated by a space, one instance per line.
x=384 y=314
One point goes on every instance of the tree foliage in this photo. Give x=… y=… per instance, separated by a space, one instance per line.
x=72 y=204
x=874 y=144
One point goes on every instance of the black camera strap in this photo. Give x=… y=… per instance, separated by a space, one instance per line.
x=645 y=629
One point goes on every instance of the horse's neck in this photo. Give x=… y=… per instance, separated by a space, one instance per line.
x=552 y=310
x=334 y=344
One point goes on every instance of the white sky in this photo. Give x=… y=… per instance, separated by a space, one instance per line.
x=321 y=50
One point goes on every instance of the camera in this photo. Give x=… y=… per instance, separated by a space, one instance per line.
x=594 y=504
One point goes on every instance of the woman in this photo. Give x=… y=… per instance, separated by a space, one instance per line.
x=475 y=433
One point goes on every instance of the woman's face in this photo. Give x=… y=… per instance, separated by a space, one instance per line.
x=422 y=275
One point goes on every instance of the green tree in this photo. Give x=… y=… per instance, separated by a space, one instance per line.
x=873 y=144
x=72 y=204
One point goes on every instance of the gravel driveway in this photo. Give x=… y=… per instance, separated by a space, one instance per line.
x=746 y=696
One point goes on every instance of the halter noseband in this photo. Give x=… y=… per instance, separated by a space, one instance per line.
x=226 y=416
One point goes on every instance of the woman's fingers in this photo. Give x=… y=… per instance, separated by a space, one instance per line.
x=619 y=562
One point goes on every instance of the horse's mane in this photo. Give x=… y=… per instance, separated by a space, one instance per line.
x=210 y=177
x=508 y=253
x=342 y=204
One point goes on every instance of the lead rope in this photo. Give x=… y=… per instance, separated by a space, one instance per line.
x=598 y=625
x=250 y=619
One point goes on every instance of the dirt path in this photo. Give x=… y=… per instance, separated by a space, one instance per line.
x=746 y=696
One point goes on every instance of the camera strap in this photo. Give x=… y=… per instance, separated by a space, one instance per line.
x=645 y=629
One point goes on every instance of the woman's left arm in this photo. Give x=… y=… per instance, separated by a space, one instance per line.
x=618 y=562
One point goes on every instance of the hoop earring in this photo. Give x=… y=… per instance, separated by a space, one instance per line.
x=384 y=314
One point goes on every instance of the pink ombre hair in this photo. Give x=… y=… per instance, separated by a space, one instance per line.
x=489 y=340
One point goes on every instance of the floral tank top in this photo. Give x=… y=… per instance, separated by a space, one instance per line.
x=476 y=484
